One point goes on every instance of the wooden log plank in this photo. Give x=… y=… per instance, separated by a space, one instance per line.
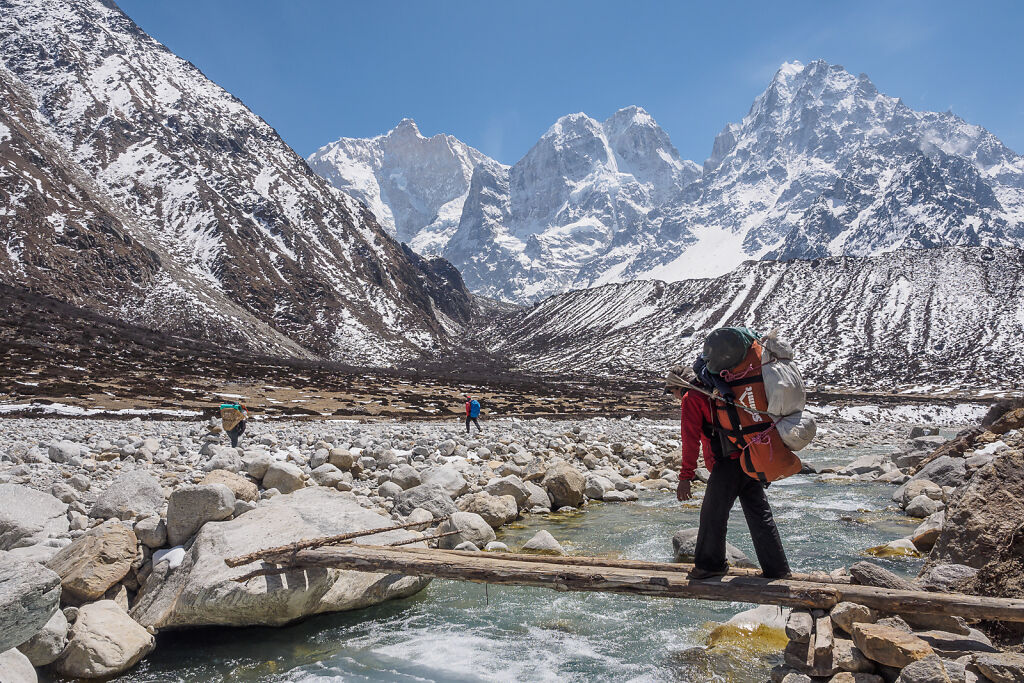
x=788 y=593
x=589 y=561
x=282 y=551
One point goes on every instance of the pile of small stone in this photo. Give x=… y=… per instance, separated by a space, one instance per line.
x=852 y=643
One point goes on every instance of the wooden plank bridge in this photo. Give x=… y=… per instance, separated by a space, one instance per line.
x=630 y=577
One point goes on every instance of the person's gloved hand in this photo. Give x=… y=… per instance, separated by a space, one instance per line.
x=683 y=490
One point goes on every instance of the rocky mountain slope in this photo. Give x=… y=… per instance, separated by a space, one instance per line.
x=944 y=317
x=822 y=165
x=133 y=184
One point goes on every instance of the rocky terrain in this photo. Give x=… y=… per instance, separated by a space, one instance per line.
x=967 y=493
x=134 y=186
x=822 y=165
x=920 y=321
x=133 y=519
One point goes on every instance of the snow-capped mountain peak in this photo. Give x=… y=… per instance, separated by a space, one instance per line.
x=823 y=163
x=415 y=185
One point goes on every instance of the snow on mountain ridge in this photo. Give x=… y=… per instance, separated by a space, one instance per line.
x=944 y=317
x=415 y=185
x=597 y=202
x=239 y=239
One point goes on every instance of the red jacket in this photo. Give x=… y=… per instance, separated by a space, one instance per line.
x=467 y=408
x=696 y=411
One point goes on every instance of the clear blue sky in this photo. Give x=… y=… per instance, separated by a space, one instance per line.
x=498 y=74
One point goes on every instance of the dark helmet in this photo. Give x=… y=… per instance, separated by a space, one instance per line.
x=723 y=349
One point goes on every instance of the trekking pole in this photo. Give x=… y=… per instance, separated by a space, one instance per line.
x=716 y=397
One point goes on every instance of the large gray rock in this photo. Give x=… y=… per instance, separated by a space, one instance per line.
x=931 y=669
x=151 y=532
x=684 y=546
x=496 y=510
x=433 y=499
x=1001 y=667
x=565 y=484
x=406 y=476
x=510 y=485
x=202 y=592
x=597 y=486
x=64 y=451
x=131 y=495
x=104 y=641
x=539 y=497
x=922 y=506
x=944 y=577
x=15 y=667
x=985 y=516
x=29 y=595
x=190 y=507
x=29 y=517
x=543 y=543
x=284 y=476
x=471 y=527
x=945 y=470
x=868 y=574
x=446 y=477
x=44 y=647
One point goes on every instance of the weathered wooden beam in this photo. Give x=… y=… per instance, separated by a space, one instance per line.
x=788 y=593
x=588 y=561
x=283 y=551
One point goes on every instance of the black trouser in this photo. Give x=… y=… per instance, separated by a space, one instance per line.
x=727 y=483
x=468 y=418
x=236 y=432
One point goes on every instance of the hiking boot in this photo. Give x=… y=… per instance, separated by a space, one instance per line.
x=698 y=574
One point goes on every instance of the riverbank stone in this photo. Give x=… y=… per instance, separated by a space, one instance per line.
x=431 y=498
x=846 y=614
x=94 y=562
x=684 y=545
x=129 y=496
x=202 y=591
x=242 y=488
x=565 y=484
x=988 y=513
x=45 y=647
x=496 y=510
x=1001 y=667
x=29 y=595
x=104 y=641
x=15 y=667
x=190 y=507
x=286 y=477
x=543 y=543
x=470 y=527
x=28 y=517
x=868 y=574
x=889 y=646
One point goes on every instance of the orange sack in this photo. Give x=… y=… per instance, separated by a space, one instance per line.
x=763 y=455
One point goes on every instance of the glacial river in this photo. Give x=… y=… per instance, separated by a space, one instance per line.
x=455 y=631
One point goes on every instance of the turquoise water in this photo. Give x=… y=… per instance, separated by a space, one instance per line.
x=456 y=631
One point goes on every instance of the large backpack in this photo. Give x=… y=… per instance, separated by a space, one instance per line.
x=474 y=408
x=768 y=384
x=230 y=415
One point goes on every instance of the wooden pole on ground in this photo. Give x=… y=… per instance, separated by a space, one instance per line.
x=587 y=561
x=788 y=593
x=285 y=550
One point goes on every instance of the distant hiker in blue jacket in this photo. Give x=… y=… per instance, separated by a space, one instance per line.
x=472 y=412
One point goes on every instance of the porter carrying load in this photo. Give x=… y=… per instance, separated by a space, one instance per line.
x=760 y=400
